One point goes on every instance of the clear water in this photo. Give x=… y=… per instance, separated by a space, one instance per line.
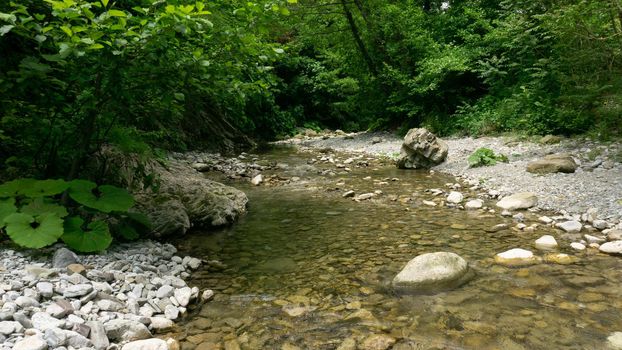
x=307 y=268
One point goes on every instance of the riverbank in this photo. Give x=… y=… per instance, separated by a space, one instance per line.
x=120 y=299
x=597 y=183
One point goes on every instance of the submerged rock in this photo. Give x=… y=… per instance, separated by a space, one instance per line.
x=421 y=150
x=523 y=200
x=455 y=197
x=560 y=258
x=474 y=204
x=433 y=272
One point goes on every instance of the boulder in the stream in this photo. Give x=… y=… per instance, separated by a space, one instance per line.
x=433 y=272
x=178 y=198
x=421 y=150
x=553 y=163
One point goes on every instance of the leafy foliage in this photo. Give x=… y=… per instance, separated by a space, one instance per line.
x=485 y=157
x=92 y=238
x=34 y=231
x=34 y=214
x=104 y=198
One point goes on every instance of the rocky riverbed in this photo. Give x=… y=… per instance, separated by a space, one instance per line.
x=120 y=299
x=597 y=183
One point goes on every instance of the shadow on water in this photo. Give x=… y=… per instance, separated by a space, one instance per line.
x=309 y=268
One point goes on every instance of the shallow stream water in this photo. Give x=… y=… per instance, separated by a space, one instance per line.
x=308 y=269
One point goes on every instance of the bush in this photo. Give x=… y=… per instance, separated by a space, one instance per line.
x=485 y=157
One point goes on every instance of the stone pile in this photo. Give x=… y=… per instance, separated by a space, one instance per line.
x=117 y=300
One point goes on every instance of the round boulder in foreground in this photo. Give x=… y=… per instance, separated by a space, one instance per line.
x=433 y=272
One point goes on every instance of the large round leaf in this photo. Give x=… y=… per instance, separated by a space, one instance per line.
x=42 y=188
x=13 y=188
x=40 y=206
x=34 y=232
x=105 y=198
x=95 y=238
x=7 y=207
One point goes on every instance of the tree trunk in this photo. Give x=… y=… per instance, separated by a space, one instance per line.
x=357 y=38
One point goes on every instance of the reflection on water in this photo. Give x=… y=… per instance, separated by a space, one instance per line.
x=309 y=269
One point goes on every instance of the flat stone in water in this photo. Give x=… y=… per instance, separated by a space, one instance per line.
x=278 y=265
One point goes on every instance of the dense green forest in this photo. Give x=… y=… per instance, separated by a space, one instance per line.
x=147 y=75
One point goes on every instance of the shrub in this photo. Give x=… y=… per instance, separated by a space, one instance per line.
x=485 y=157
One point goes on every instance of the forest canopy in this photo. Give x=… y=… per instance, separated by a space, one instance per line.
x=147 y=75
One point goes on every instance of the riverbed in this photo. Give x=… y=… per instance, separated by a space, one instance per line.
x=310 y=269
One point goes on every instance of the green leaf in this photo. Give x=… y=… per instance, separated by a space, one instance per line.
x=7 y=207
x=43 y=188
x=5 y=29
x=7 y=17
x=105 y=198
x=116 y=13
x=179 y=96
x=105 y=3
x=40 y=206
x=13 y=188
x=128 y=232
x=95 y=238
x=67 y=30
x=140 y=219
x=292 y=1
x=284 y=11
x=34 y=232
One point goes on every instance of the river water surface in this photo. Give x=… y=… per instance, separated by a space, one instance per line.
x=308 y=269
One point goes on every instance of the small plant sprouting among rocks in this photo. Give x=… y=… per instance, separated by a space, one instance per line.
x=485 y=157
x=36 y=213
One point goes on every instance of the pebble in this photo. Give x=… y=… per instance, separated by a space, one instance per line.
x=614 y=247
x=474 y=204
x=455 y=197
x=516 y=257
x=147 y=344
x=45 y=289
x=546 y=242
x=615 y=341
x=571 y=226
x=577 y=246
x=33 y=342
x=183 y=295
x=594 y=239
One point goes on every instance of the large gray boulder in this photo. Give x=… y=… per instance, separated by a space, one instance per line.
x=433 y=272
x=178 y=196
x=186 y=198
x=554 y=163
x=421 y=150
